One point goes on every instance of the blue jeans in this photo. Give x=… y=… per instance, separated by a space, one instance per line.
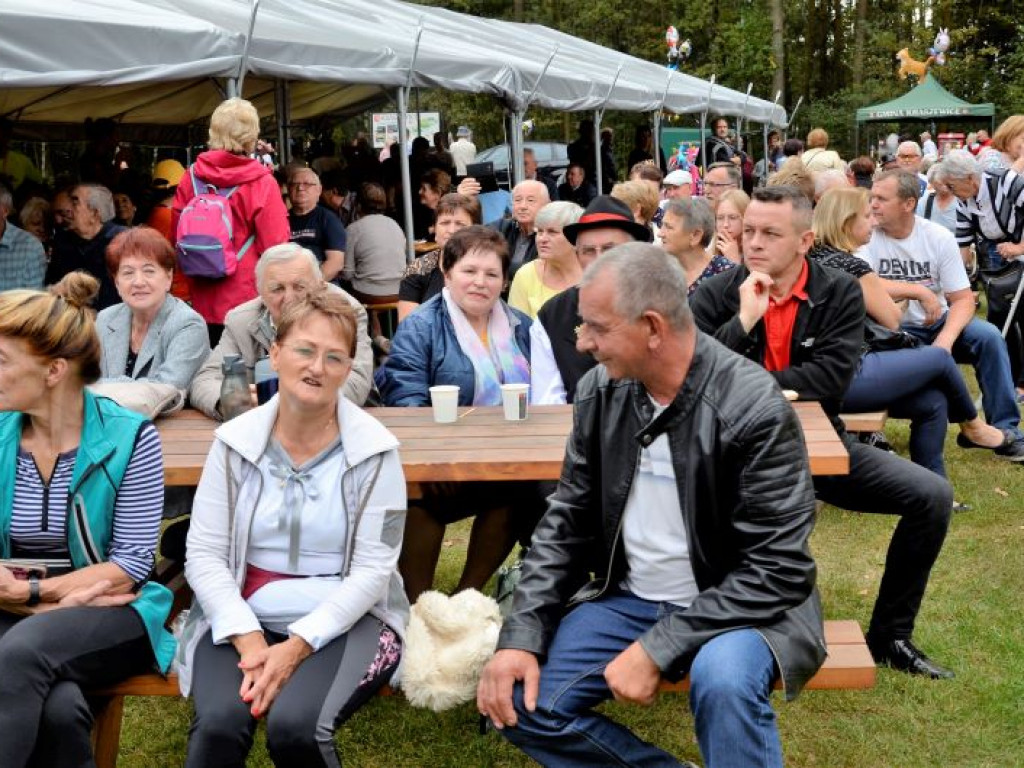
x=981 y=345
x=730 y=685
x=921 y=384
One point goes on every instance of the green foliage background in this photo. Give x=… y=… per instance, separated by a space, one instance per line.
x=732 y=39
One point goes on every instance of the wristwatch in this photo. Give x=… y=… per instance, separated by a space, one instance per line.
x=33 y=590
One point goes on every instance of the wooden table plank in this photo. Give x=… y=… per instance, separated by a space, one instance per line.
x=481 y=445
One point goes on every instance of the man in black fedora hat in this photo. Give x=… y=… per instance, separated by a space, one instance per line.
x=555 y=362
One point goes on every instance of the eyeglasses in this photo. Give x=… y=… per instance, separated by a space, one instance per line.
x=333 y=361
x=301 y=185
x=907 y=157
x=593 y=251
x=719 y=184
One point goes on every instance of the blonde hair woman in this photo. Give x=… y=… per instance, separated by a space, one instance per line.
x=732 y=204
x=82 y=489
x=1007 y=145
x=921 y=383
x=641 y=198
x=817 y=156
x=258 y=215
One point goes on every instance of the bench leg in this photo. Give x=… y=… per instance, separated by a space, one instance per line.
x=106 y=732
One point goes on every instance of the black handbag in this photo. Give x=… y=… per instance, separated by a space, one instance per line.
x=1000 y=286
x=878 y=338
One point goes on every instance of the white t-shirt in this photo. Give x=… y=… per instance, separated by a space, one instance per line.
x=323 y=533
x=653 y=531
x=929 y=256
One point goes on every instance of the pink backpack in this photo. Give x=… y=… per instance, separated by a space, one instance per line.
x=204 y=235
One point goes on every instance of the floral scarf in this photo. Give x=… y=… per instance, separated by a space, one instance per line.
x=499 y=362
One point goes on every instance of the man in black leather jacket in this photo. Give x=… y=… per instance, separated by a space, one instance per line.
x=676 y=540
x=805 y=323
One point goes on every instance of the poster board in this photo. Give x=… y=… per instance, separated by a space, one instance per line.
x=385 y=126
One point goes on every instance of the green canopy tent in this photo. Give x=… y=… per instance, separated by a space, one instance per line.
x=928 y=101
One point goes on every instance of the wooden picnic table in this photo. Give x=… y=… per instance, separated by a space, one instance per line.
x=481 y=445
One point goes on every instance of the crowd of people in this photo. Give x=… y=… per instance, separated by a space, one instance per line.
x=672 y=321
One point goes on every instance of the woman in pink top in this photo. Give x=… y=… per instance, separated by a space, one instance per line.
x=256 y=208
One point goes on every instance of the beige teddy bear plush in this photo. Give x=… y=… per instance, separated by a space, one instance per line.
x=447 y=643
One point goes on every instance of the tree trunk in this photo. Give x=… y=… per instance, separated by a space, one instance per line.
x=779 y=49
x=858 y=42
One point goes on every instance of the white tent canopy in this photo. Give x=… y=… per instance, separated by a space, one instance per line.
x=167 y=61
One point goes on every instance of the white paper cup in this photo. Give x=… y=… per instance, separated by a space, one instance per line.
x=444 y=399
x=514 y=399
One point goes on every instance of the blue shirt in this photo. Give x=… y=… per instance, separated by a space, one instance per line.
x=22 y=260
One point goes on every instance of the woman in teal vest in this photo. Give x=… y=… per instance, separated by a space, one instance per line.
x=81 y=491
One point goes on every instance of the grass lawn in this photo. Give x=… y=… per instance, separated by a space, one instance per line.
x=970 y=621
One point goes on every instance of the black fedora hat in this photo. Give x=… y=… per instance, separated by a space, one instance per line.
x=606 y=212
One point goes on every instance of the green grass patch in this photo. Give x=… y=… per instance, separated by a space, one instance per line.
x=970 y=621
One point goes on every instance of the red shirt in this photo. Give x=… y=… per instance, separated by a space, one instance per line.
x=778 y=324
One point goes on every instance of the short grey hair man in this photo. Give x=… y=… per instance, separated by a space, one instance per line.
x=647 y=280
x=957 y=165
x=696 y=214
x=278 y=254
x=99 y=199
x=283 y=273
x=830 y=178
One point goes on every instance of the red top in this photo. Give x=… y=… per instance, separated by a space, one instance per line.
x=255 y=205
x=778 y=324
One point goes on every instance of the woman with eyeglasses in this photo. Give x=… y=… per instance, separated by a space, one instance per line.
x=729 y=224
x=292 y=554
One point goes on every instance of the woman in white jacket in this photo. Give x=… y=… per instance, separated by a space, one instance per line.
x=292 y=555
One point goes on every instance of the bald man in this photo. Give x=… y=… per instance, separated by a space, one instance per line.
x=528 y=197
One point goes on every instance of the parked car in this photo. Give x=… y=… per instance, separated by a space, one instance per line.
x=552 y=159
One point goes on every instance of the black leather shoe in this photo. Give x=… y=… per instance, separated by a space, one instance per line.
x=906 y=657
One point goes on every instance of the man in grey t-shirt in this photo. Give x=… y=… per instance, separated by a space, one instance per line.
x=920 y=261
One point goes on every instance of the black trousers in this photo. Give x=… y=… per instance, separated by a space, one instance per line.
x=883 y=483
x=45 y=661
x=323 y=692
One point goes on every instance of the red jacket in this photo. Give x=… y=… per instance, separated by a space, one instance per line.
x=255 y=205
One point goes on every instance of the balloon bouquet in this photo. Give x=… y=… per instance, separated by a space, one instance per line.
x=677 y=52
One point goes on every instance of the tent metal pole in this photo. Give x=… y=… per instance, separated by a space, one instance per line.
x=792 y=117
x=403 y=139
x=279 y=118
x=403 y=154
x=766 y=131
x=518 y=169
x=767 y=162
x=656 y=146
x=230 y=89
x=703 y=128
x=598 y=117
x=657 y=122
x=739 y=120
x=286 y=103
x=245 y=51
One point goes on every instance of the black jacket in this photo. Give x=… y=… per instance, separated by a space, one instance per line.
x=509 y=229
x=70 y=252
x=827 y=336
x=746 y=497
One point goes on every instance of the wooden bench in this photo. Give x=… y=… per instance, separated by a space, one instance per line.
x=872 y=421
x=849 y=666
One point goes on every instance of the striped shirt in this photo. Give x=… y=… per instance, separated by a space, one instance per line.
x=39 y=514
x=996 y=213
x=22 y=260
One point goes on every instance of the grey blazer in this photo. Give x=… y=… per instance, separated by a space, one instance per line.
x=175 y=346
